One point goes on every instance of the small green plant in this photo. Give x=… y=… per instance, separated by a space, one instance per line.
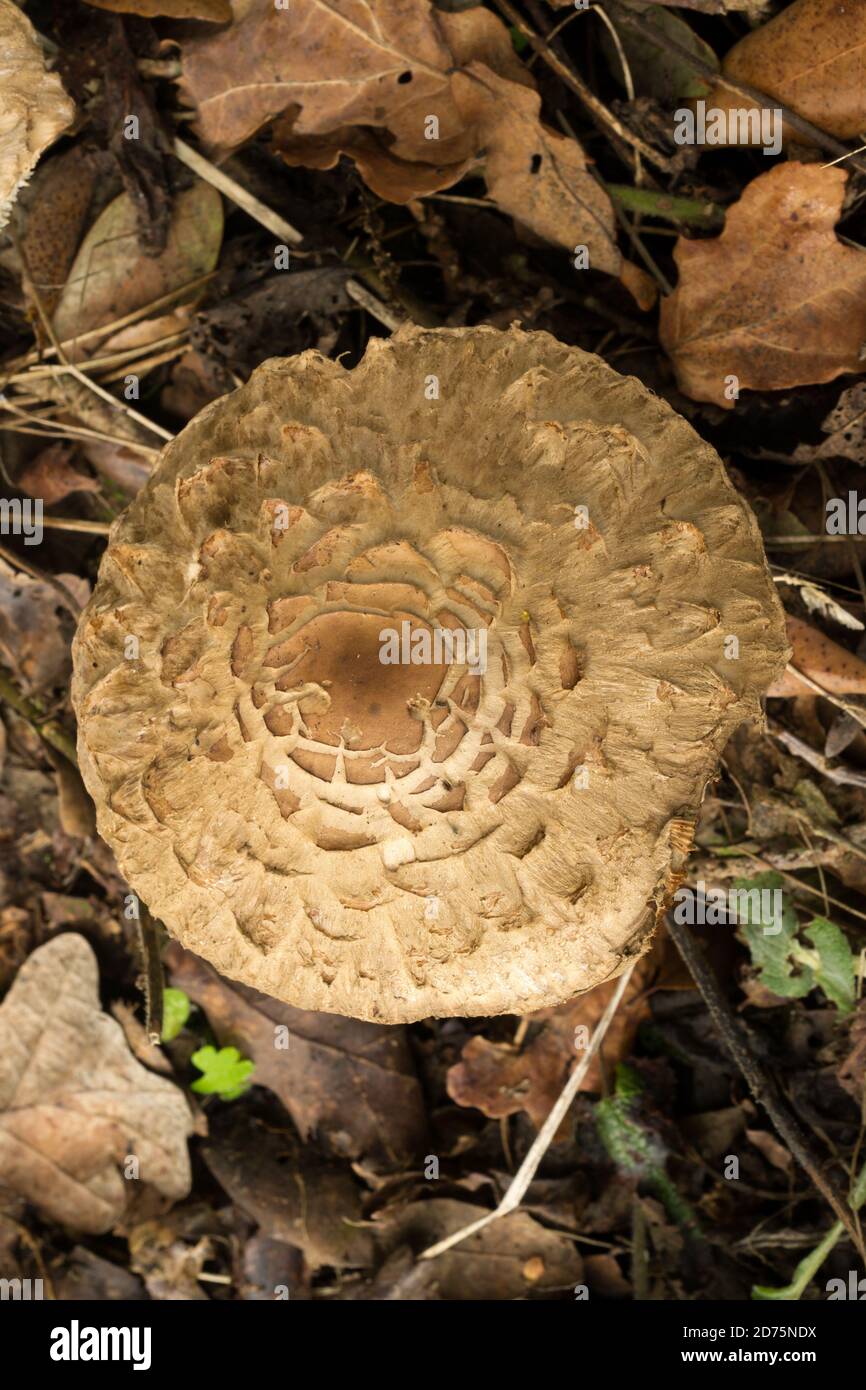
x=786 y=965
x=636 y=1150
x=175 y=1012
x=225 y=1073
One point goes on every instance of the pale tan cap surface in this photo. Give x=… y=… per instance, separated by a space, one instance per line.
x=398 y=841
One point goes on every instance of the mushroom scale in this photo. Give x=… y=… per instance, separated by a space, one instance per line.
x=400 y=686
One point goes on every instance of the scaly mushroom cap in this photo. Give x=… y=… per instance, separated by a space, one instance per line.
x=400 y=686
x=34 y=108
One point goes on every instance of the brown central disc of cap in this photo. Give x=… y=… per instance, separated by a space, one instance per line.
x=369 y=700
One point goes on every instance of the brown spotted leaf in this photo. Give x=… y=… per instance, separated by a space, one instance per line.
x=74 y=1102
x=364 y=79
x=811 y=58
x=775 y=301
x=824 y=661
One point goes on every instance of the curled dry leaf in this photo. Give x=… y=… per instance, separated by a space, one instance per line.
x=74 y=1102
x=110 y=277
x=810 y=57
x=34 y=108
x=368 y=80
x=792 y=308
x=827 y=663
x=51 y=476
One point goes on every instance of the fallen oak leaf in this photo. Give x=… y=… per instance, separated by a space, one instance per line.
x=369 y=82
x=810 y=57
x=74 y=1102
x=794 y=309
x=34 y=108
x=824 y=661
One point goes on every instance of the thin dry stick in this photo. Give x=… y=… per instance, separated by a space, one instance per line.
x=595 y=107
x=276 y=224
x=528 y=1168
x=67 y=523
x=80 y=376
x=106 y=330
x=738 y=1042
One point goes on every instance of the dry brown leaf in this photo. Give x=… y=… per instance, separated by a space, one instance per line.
x=364 y=80
x=499 y=1079
x=36 y=629
x=51 y=476
x=34 y=108
x=110 y=277
x=776 y=300
x=216 y=11
x=74 y=1102
x=810 y=57
x=833 y=667
x=352 y=1084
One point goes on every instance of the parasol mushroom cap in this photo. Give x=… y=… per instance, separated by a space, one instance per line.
x=34 y=108
x=493 y=826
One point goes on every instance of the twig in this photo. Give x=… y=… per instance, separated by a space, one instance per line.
x=528 y=1168
x=153 y=979
x=48 y=729
x=739 y=1043
x=276 y=224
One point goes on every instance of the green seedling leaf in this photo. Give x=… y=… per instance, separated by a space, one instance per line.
x=225 y=1072
x=834 y=969
x=785 y=964
x=636 y=1150
x=770 y=937
x=175 y=1012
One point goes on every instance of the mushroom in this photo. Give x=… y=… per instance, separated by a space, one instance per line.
x=34 y=108
x=400 y=686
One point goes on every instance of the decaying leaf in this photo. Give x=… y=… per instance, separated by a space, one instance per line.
x=417 y=96
x=350 y=1083
x=501 y=1080
x=34 y=108
x=293 y=1194
x=35 y=628
x=824 y=661
x=110 y=277
x=810 y=57
x=75 y=1105
x=509 y=1259
x=776 y=300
